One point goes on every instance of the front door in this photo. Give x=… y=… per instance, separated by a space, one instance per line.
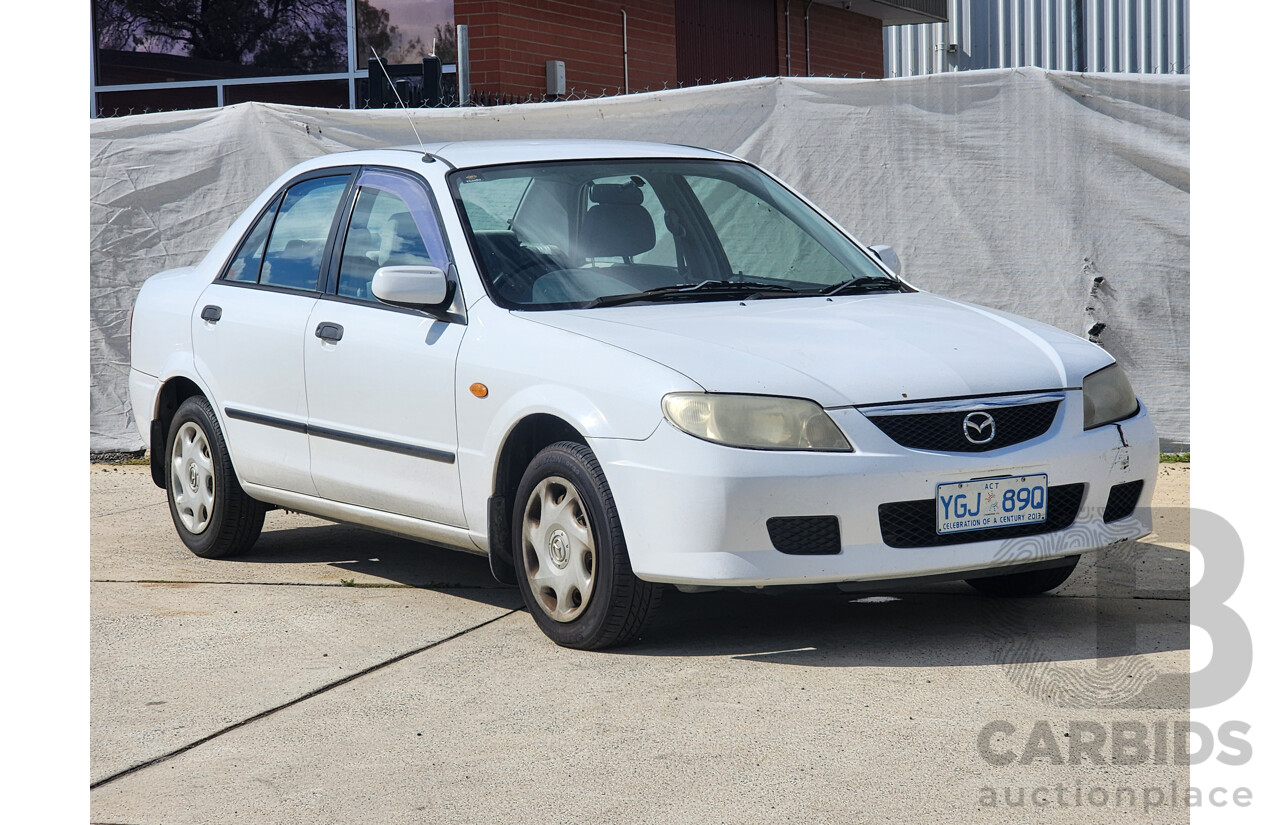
x=381 y=420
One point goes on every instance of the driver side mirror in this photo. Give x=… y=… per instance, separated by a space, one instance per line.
x=415 y=287
x=888 y=257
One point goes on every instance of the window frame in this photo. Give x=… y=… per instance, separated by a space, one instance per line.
x=273 y=206
x=329 y=274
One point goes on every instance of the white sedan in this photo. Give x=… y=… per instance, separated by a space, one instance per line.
x=614 y=366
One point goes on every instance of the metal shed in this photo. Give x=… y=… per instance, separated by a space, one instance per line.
x=1136 y=36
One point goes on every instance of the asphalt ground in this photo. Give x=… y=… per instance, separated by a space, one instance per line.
x=338 y=675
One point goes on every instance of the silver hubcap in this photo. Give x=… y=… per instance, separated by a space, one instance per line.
x=558 y=551
x=191 y=477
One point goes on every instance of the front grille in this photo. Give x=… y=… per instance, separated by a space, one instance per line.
x=914 y=523
x=945 y=431
x=805 y=535
x=1122 y=500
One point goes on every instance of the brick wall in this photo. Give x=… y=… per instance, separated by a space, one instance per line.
x=512 y=41
x=840 y=42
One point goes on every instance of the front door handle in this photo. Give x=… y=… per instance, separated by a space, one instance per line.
x=329 y=331
x=211 y=313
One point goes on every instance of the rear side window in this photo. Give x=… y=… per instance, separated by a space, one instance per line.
x=247 y=263
x=301 y=229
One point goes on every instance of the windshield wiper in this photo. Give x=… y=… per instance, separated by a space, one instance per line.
x=867 y=283
x=719 y=289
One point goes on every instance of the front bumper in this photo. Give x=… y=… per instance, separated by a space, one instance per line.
x=695 y=513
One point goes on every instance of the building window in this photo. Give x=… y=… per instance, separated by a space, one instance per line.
x=405 y=31
x=143 y=41
x=152 y=55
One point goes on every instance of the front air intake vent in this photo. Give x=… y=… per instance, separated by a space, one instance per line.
x=805 y=535
x=1122 y=501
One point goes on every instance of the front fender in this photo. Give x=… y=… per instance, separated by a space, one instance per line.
x=529 y=369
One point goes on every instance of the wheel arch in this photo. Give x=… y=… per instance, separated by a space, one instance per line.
x=526 y=438
x=172 y=393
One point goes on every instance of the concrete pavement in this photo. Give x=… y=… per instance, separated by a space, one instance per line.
x=338 y=675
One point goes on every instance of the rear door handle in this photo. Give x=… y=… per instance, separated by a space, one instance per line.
x=329 y=331
x=211 y=313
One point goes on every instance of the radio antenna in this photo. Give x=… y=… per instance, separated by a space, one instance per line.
x=400 y=100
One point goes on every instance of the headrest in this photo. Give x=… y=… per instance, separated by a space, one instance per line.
x=402 y=224
x=619 y=193
x=616 y=229
x=402 y=245
x=298 y=248
x=360 y=241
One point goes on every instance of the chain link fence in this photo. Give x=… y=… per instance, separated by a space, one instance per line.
x=480 y=98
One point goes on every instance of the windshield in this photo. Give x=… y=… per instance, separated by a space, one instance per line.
x=607 y=232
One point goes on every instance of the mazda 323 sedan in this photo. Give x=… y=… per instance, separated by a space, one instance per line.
x=615 y=366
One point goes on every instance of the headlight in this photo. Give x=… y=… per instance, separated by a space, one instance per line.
x=756 y=422
x=1107 y=397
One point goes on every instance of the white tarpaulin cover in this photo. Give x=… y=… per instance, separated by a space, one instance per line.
x=1061 y=197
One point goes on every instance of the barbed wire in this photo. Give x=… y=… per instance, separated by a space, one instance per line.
x=481 y=98
x=487 y=99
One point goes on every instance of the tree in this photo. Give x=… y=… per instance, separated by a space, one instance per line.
x=373 y=31
x=283 y=35
x=446 y=42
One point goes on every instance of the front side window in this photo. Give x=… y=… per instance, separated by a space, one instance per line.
x=392 y=224
x=301 y=230
x=583 y=234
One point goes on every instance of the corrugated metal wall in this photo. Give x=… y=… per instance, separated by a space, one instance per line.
x=1144 y=36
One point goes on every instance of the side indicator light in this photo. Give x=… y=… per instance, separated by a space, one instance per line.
x=479 y=390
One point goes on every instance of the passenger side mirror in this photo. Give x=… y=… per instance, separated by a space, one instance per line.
x=888 y=257
x=415 y=287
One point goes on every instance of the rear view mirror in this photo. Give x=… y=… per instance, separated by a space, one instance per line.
x=888 y=257
x=416 y=287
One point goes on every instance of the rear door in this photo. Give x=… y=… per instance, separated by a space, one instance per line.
x=380 y=387
x=249 y=326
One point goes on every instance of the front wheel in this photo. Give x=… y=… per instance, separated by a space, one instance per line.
x=570 y=557
x=213 y=515
x=1030 y=583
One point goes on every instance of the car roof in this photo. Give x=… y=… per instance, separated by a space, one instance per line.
x=464 y=154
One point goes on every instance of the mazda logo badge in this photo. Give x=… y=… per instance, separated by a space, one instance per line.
x=979 y=428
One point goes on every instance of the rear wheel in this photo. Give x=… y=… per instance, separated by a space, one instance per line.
x=1030 y=583
x=570 y=557
x=213 y=516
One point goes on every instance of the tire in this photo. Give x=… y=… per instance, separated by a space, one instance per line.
x=1030 y=583
x=570 y=557
x=214 y=517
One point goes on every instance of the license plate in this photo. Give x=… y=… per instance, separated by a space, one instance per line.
x=994 y=502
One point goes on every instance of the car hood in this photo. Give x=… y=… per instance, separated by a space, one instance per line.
x=846 y=350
